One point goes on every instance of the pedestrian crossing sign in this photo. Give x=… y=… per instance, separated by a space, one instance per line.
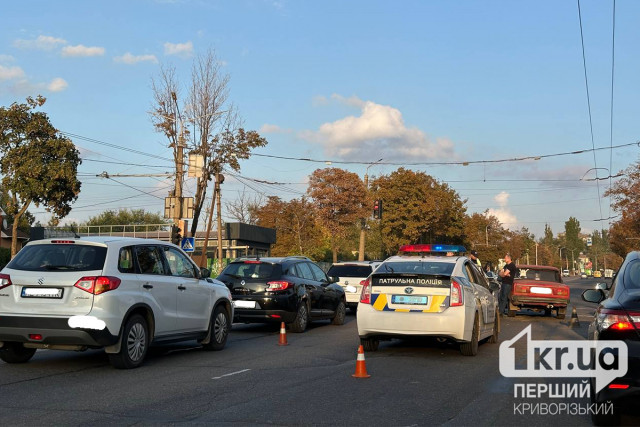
x=188 y=244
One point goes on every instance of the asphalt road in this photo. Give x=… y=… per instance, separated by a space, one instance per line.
x=255 y=381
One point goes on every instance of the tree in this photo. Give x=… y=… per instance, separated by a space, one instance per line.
x=38 y=165
x=340 y=199
x=218 y=134
x=244 y=208
x=625 y=193
x=24 y=222
x=297 y=228
x=418 y=209
x=573 y=241
x=128 y=217
x=485 y=233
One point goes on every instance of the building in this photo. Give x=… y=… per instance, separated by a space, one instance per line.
x=6 y=232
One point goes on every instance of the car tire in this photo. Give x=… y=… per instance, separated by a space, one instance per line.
x=547 y=312
x=561 y=313
x=493 y=339
x=301 y=321
x=219 y=330
x=511 y=313
x=470 y=348
x=15 y=352
x=134 y=344
x=369 y=344
x=341 y=312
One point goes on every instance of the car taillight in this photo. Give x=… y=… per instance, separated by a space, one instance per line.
x=279 y=285
x=456 y=294
x=618 y=319
x=562 y=291
x=5 y=281
x=365 y=295
x=521 y=289
x=97 y=285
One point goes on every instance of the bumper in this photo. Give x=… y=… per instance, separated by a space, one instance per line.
x=538 y=301
x=54 y=331
x=631 y=378
x=447 y=324
x=279 y=308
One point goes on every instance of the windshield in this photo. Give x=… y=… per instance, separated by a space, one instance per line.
x=249 y=270
x=349 y=270
x=543 y=275
x=68 y=257
x=431 y=268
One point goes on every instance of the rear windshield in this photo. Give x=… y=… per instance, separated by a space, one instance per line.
x=67 y=257
x=543 y=275
x=249 y=270
x=349 y=271
x=433 y=268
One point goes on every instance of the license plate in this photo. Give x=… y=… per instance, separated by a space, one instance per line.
x=546 y=291
x=404 y=299
x=41 y=293
x=245 y=304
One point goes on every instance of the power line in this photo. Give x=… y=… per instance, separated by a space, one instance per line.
x=613 y=62
x=110 y=145
x=586 y=82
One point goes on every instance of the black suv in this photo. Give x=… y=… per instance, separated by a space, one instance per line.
x=293 y=290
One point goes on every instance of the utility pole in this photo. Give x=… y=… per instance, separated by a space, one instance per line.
x=219 y=180
x=363 y=225
x=536 y=253
x=177 y=191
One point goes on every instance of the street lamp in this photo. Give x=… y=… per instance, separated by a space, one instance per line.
x=486 y=236
x=594 y=169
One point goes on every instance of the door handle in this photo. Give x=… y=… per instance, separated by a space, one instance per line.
x=147 y=286
x=182 y=287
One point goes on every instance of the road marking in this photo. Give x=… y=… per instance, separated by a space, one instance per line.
x=232 y=373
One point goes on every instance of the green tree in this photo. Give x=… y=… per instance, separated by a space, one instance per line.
x=418 y=209
x=625 y=193
x=38 y=165
x=340 y=199
x=573 y=241
x=127 y=217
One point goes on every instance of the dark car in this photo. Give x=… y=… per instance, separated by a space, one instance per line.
x=618 y=318
x=293 y=290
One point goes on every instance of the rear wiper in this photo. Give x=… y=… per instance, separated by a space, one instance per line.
x=389 y=269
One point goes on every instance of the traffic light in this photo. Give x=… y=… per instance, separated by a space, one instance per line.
x=176 y=238
x=377 y=209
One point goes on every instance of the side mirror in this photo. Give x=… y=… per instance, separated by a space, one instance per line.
x=333 y=279
x=204 y=273
x=603 y=286
x=594 y=295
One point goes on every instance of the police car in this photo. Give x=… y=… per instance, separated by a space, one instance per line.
x=430 y=291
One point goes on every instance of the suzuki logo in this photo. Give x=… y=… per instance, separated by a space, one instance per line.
x=408 y=290
x=41 y=281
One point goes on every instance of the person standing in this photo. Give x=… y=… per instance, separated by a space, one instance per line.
x=508 y=273
x=473 y=256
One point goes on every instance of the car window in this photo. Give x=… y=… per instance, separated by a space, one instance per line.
x=539 y=274
x=631 y=276
x=305 y=271
x=417 y=267
x=470 y=273
x=318 y=273
x=149 y=260
x=350 y=270
x=179 y=264
x=59 y=256
x=291 y=271
x=249 y=270
x=125 y=260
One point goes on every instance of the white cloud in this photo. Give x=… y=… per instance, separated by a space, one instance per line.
x=180 y=49
x=269 y=128
x=5 y=59
x=57 y=85
x=81 y=50
x=40 y=43
x=11 y=73
x=379 y=131
x=128 y=58
x=319 y=100
x=503 y=213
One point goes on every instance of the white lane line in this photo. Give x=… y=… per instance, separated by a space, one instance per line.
x=232 y=373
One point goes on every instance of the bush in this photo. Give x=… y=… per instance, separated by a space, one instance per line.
x=5 y=257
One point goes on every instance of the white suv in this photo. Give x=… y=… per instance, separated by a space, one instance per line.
x=120 y=294
x=350 y=275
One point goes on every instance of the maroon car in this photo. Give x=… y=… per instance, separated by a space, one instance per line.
x=539 y=288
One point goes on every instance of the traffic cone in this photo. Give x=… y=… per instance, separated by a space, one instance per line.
x=283 y=335
x=361 y=367
x=574 y=322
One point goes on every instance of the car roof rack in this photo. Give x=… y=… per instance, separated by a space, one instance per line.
x=302 y=257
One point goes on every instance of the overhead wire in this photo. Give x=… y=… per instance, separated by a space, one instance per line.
x=586 y=82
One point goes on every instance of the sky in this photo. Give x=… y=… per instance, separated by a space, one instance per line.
x=407 y=82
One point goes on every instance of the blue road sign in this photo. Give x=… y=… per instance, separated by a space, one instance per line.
x=188 y=244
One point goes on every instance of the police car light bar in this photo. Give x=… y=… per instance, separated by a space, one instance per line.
x=434 y=249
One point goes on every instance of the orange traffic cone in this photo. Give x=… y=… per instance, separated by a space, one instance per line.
x=361 y=367
x=283 y=335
